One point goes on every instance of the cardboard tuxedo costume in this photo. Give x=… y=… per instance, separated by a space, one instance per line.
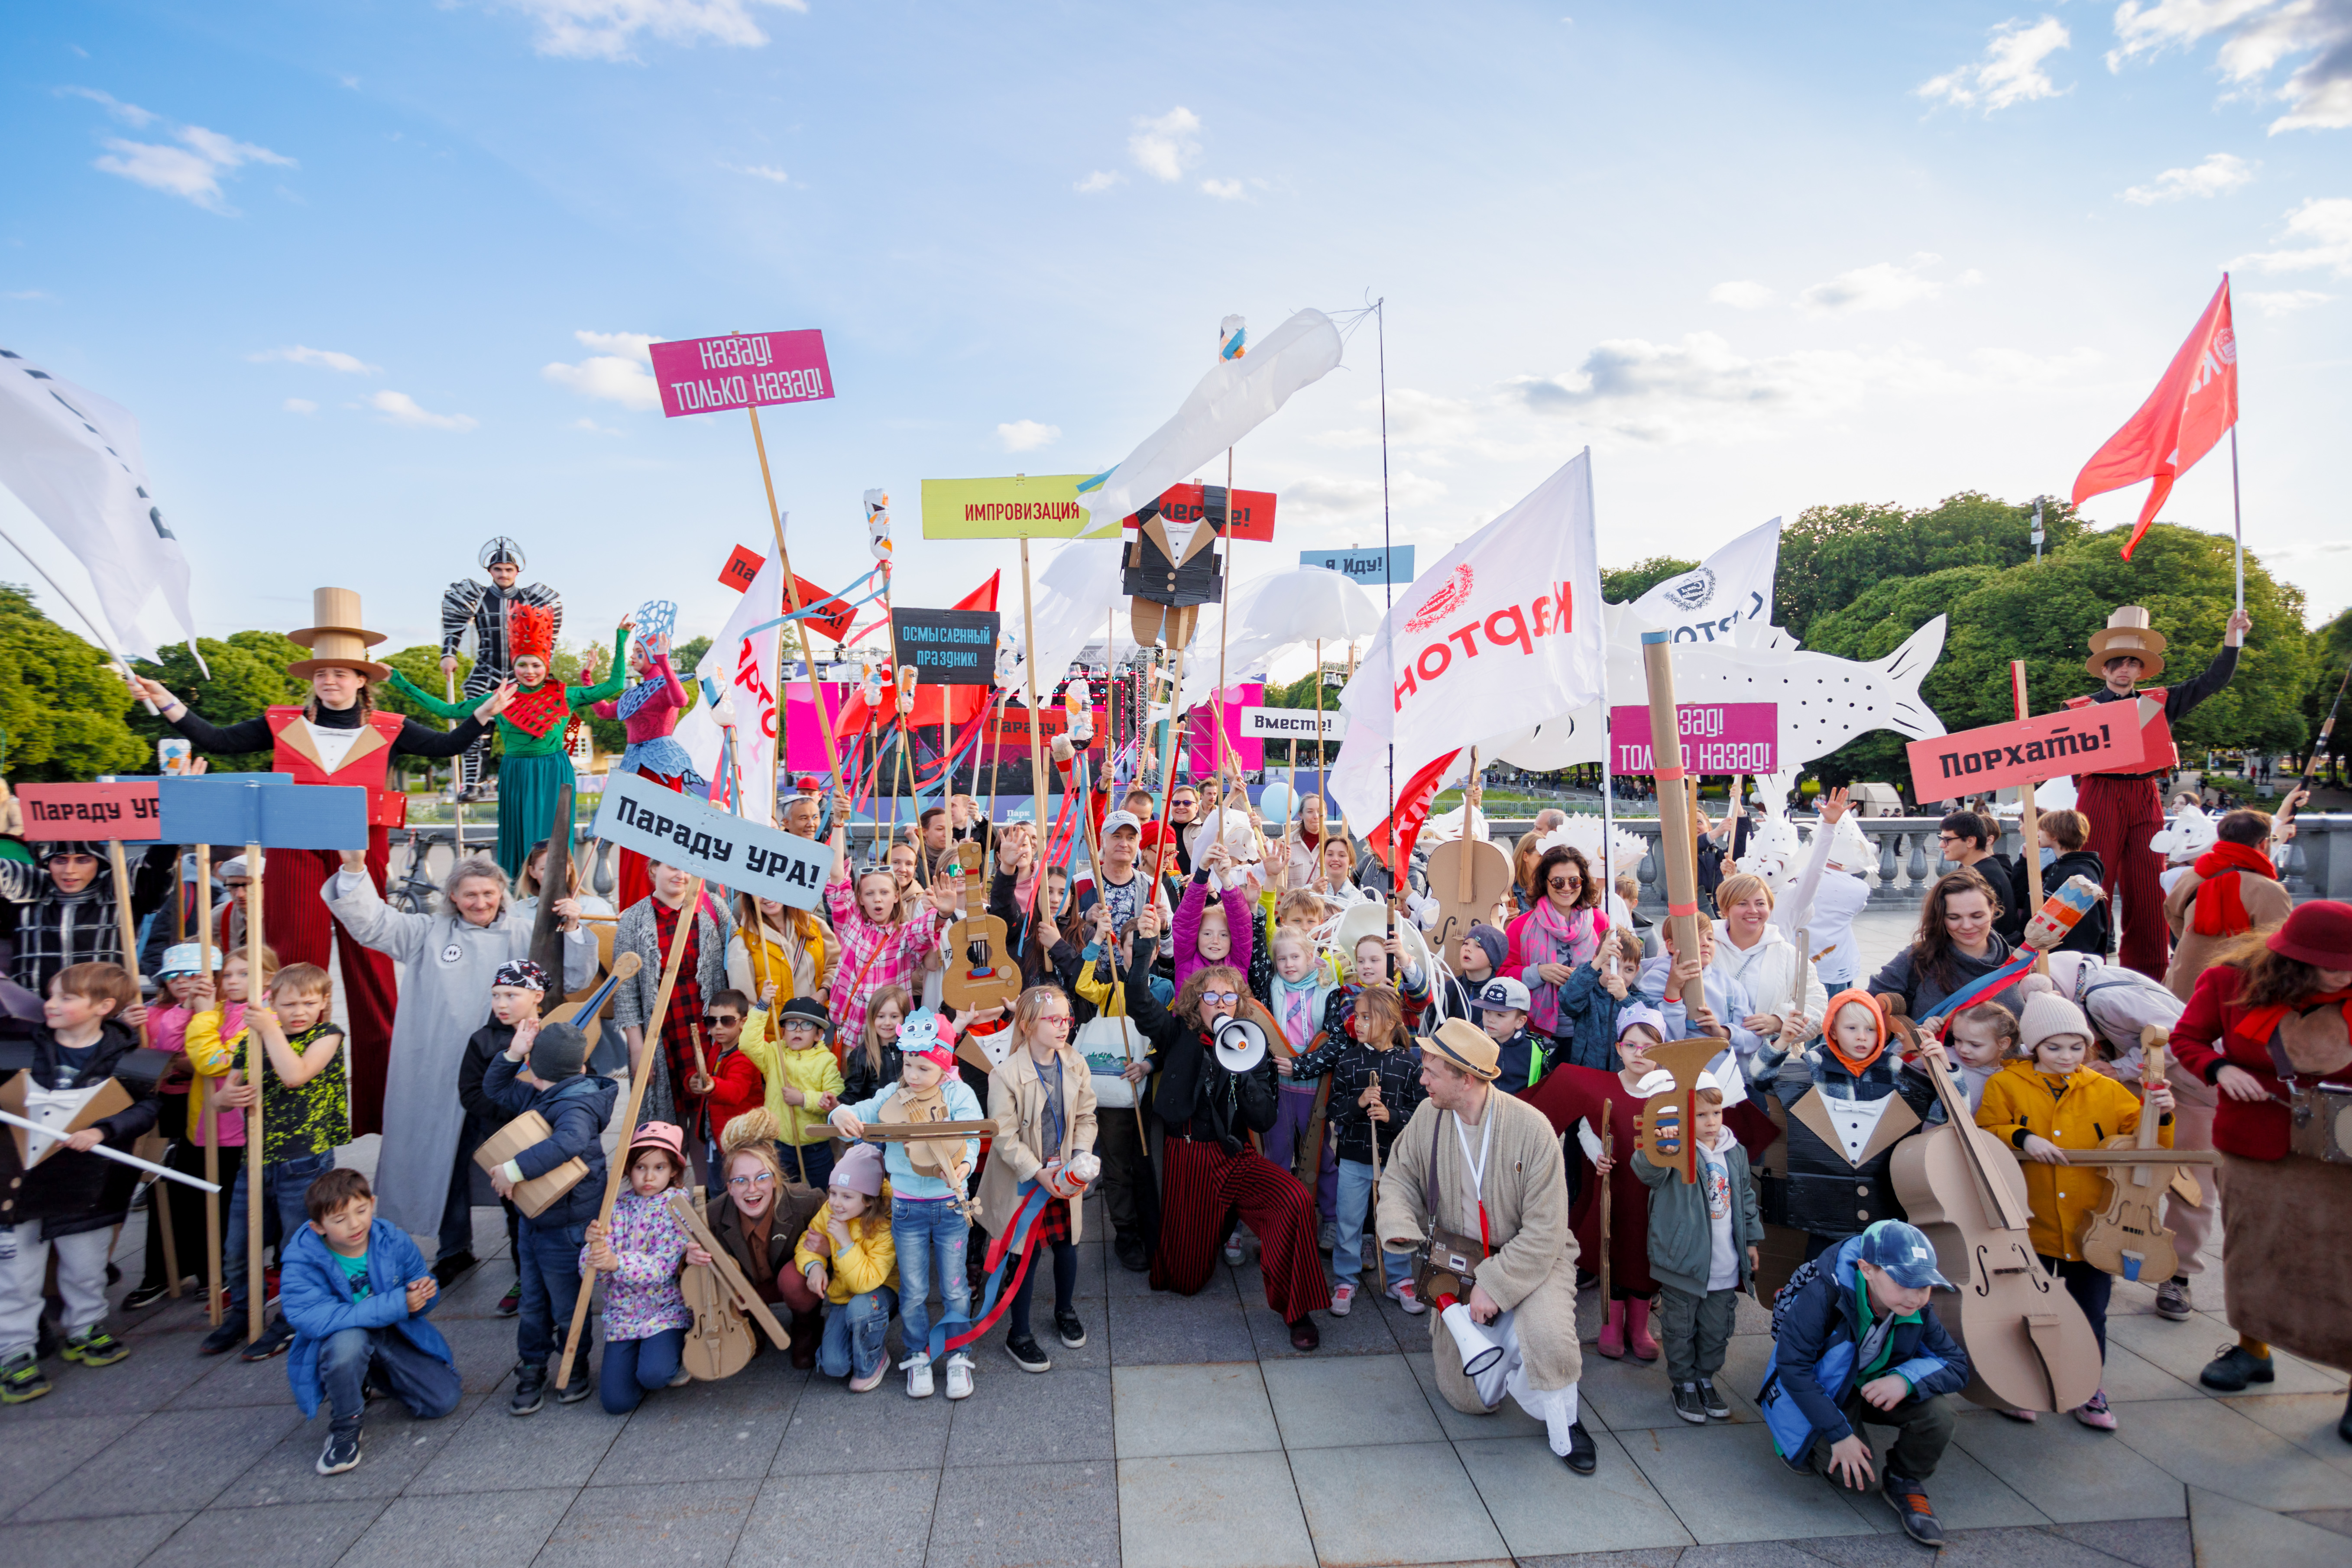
x=115 y=1090
x=481 y=608
x=1167 y=579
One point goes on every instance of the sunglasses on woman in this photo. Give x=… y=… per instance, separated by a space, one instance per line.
x=1558 y=884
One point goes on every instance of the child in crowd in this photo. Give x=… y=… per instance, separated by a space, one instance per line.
x=1296 y=995
x=1824 y=1193
x=646 y=1315
x=216 y=1011
x=805 y=1083
x=871 y=1065
x=356 y=1291
x=305 y=1113
x=739 y=1073
x=64 y=1202
x=1371 y=965
x=1502 y=1010
x=2045 y=1103
x=1120 y=1145
x=1482 y=953
x=880 y=944
x=1208 y=932
x=1042 y=1099
x=1593 y=1001
x=1703 y=1242
x=167 y=1028
x=575 y=1105
x=929 y=1231
x=1981 y=1038
x=517 y=988
x=848 y=1259
x=1575 y=1099
x=1375 y=1086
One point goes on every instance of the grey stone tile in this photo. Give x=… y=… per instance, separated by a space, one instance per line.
x=33 y=1458
x=1725 y=1485
x=485 y=1351
x=476 y=1295
x=298 y=1535
x=1094 y=1316
x=2183 y=1349
x=228 y=1381
x=2213 y=1447
x=1161 y=1329
x=1404 y=1502
x=1067 y=1515
x=636 y=1527
x=1363 y=1332
x=1347 y=1402
x=2143 y=1542
x=117 y=1542
x=833 y=1431
x=560 y=1446
x=1542 y=1506
x=2068 y=1471
x=1094 y=1257
x=185 y=1315
x=1647 y=1557
x=1014 y=1417
x=2339 y=1520
x=882 y=1521
x=1120 y=1281
x=1177 y=1511
x=2306 y=1420
x=723 y=1431
x=394 y=1446
x=2130 y=1377
x=1505 y=1420
x=158 y=1368
x=181 y=1460
x=505 y=1527
x=1162 y=1411
x=1633 y=1395
x=1966 y=1495
x=2020 y=1547
x=2227 y=1530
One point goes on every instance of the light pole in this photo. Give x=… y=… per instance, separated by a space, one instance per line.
x=2037 y=527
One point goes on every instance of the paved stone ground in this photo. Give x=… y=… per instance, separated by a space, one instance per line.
x=1186 y=1434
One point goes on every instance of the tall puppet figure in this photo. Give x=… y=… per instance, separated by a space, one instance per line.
x=1173 y=569
x=337 y=737
x=648 y=710
x=2126 y=809
x=483 y=608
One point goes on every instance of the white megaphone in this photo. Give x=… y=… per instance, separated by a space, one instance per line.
x=1486 y=1355
x=1241 y=1045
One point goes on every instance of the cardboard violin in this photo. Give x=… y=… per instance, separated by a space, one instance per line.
x=588 y=1011
x=1468 y=877
x=2127 y=1237
x=981 y=972
x=721 y=1342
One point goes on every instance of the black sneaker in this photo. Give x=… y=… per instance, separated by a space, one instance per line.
x=529 y=1390
x=511 y=1302
x=1582 y=1456
x=1073 y=1333
x=1718 y=1408
x=225 y=1338
x=580 y=1386
x=1132 y=1256
x=22 y=1379
x=1688 y=1405
x=1027 y=1356
x=2234 y=1368
x=1909 y=1502
x=145 y=1296
x=341 y=1453
x=277 y=1336
x=95 y=1347
x=450 y=1270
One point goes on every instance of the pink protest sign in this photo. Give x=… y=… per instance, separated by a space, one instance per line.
x=127 y=809
x=2028 y=751
x=1200 y=741
x=741 y=370
x=1717 y=738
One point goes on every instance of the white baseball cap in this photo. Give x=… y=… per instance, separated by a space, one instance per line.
x=1119 y=819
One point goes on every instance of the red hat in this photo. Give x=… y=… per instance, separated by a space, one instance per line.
x=2318 y=933
x=531 y=632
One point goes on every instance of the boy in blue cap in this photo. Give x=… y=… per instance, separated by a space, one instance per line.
x=1856 y=1342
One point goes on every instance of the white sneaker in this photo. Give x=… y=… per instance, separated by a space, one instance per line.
x=917 y=1368
x=1343 y=1299
x=1234 y=1254
x=958 y=1376
x=1405 y=1296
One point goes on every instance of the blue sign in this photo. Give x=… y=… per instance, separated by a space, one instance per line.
x=1367 y=566
x=268 y=809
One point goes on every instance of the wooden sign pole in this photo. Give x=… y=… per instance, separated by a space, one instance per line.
x=641 y=1072
x=253 y=997
x=1037 y=727
x=116 y=862
x=2030 y=821
x=1674 y=805
x=792 y=598
x=207 y=1118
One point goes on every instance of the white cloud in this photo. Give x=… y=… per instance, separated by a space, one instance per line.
x=593 y=428
x=325 y=358
x=2324 y=227
x=2218 y=176
x=1740 y=295
x=2011 y=71
x=1100 y=180
x=1027 y=435
x=28 y=294
x=608 y=29
x=299 y=405
x=1883 y=286
x=2257 y=36
x=2286 y=301
x=129 y=113
x=1165 y=147
x=191 y=170
x=620 y=371
x=1224 y=190
x=774 y=176
x=399 y=408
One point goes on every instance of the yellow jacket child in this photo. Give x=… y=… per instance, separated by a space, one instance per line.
x=2047 y=1102
x=870 y=1260
x=800 y=1062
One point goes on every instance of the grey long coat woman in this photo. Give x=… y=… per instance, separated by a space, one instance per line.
x=447 y=963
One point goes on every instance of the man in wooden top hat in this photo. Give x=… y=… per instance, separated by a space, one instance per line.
x=2126 y=809
x=337 y=737
x=482 y=608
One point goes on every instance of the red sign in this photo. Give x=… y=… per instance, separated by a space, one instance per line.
x=128 y=811
x=1009 y=727
x=834 y=620
x=741 y=370
x=1717 y=738
x=2098 y=740
x=741 y=568
x=1253 y=510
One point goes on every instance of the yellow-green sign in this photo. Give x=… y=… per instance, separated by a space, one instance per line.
x=1026 y=506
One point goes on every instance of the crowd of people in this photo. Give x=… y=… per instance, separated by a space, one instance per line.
x=1224 y=1026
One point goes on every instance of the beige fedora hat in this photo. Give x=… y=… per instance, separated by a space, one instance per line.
x=2127 y=635
x=337 y=641
x=1465 y=1046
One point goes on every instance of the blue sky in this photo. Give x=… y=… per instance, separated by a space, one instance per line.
x=373 y=274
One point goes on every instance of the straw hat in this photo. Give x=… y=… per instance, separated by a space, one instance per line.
x=2127 y=635
x=336 y=642
x=1467 y=1047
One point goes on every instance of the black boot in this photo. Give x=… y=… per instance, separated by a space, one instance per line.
x=1580 y=1457
x=530 y=1390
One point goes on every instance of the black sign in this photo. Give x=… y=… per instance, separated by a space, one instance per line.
x=947 y=647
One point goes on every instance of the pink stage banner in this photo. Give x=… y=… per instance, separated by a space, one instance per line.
x=1200 y=741
x=1717 y=738
x=742 y=370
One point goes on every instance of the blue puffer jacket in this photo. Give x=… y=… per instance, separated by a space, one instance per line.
x=575 y=1111
x=317 y=1300
x=1812 y=1373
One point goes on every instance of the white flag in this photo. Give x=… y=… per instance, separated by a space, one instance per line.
x=1732 y=586
x=743 y=668
x=1507 y=625
x=72 y=458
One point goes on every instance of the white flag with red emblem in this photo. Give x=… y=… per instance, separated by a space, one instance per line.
x=1503 y=633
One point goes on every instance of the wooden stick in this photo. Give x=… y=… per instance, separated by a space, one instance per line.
x=130 y=933
x=724 y=1262
x=254 y=1055
x=640 y=1074
x=2030 y=821
x=1675 y=837
x=792 y=598
x=1036 y=728
x=1607 y=1151
x=207 y=1119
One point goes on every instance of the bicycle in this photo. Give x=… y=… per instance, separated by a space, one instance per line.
x=414 y=891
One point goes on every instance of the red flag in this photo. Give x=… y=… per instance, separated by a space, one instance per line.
x=2183 y=420
x=1412 y=802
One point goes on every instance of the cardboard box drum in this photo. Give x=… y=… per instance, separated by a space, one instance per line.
x=534 y=1196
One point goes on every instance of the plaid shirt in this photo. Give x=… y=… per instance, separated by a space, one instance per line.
x=57 y=930
x=685 y=1010
x=873 y=956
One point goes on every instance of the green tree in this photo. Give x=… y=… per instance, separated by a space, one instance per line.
x=2331 y=654
x=248 y=675
x=1623 y=584
x=1833 y=555
x=66 y=714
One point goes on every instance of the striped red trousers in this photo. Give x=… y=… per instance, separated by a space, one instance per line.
x=1204 y=1187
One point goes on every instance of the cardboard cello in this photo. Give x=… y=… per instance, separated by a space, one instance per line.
x=2030 y=1347
x=1468 y=875
x=2127 y=1238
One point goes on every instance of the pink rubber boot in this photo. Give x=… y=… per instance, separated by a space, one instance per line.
x=1612 y=1332
x=1637 y=1330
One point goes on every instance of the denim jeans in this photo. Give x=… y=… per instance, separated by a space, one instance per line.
x=855 y=1332
x=930 y=1235
x=286 y=1188
x=1347 y=1252
x=352 y=1358
x=634 y=1368
x=815 y=1158
x=549 y=1260
x=1294 y=1108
